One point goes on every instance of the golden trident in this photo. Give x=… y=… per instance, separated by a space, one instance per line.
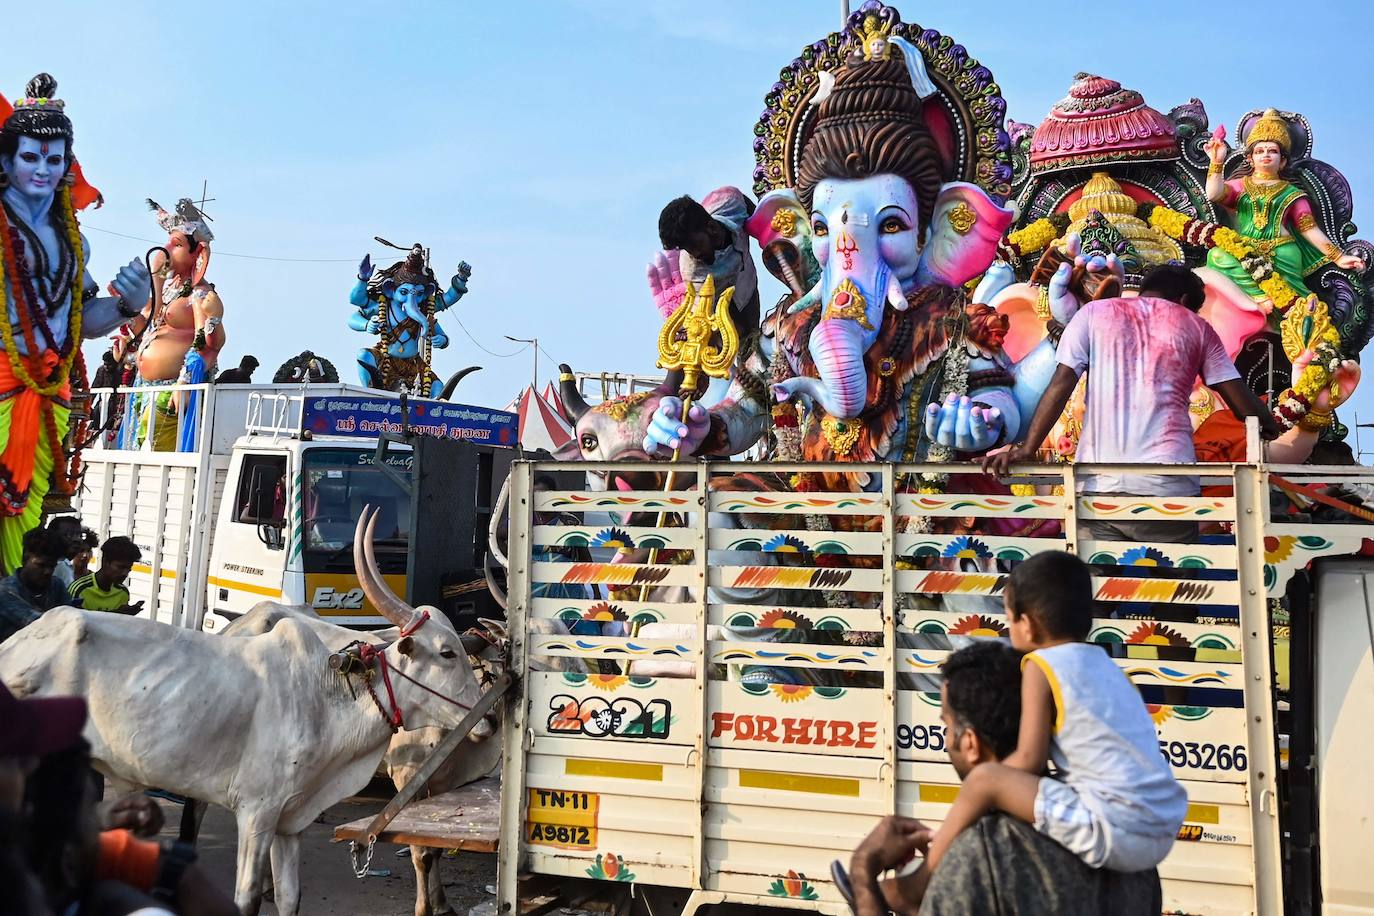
x=685 y=343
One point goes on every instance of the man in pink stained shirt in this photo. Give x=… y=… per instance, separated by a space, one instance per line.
x=1143 y=355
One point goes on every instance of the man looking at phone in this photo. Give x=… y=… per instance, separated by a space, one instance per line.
x=104 y=589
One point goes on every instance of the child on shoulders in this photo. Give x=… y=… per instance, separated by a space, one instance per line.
x=1113 y=800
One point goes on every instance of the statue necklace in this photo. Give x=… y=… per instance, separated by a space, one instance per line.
x=44 y=286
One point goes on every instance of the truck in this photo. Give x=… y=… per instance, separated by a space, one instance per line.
x=263 y=502
x=1250 y=644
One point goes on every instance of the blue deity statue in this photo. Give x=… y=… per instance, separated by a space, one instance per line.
x=399 y=304
x=49 y=302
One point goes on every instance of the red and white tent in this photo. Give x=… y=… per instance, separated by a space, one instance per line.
x=555 y=399
x=541 y=424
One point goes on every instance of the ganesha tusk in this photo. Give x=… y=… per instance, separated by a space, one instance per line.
x=895 y=297
x=805 y=302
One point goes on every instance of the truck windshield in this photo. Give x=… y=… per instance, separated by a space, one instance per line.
x=338 y=484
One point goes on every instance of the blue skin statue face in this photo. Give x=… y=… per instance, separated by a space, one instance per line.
x=37 y=167
x=410 y=298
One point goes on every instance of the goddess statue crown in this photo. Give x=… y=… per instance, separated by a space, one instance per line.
x=1271 y=128
x=874 y=35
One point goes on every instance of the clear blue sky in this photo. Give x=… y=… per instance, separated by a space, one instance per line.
x=538 y=141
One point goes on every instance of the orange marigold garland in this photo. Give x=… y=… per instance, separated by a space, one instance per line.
x=18 y=362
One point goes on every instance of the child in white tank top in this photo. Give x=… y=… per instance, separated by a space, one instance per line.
x=1113 y=800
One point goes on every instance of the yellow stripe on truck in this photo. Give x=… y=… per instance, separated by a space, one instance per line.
x=148 y=570
x=246 y=587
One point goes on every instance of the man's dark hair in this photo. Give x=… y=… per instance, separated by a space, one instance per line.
x=983 y=692
x=1056 y=590
x=680 y=220
x=1176 y=283
x=120 y=549
x=59 y=522
x=45 y=543
x=1332 y=452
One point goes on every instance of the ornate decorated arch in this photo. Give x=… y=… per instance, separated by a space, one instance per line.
x=966 y=113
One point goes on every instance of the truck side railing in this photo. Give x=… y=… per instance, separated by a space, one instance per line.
x=166 y=418
x=755 y=680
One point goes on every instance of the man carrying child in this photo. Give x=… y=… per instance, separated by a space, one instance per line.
x=1112 y=800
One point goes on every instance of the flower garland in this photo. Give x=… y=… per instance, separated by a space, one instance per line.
x=11 y=268
x=1038 y=235
x=1295 y=403
x=1184 y=228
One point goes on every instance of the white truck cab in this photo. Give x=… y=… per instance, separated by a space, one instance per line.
x=264 y=504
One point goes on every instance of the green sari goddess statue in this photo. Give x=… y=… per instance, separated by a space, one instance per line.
x=1272 y=213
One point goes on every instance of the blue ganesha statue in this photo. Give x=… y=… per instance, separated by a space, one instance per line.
x=400 y=305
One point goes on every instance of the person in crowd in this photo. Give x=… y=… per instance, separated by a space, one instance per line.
x=1142 y=355
x=711 y=238
x=1000 y=866
x=81 y=563
x=31 y=589
x=87 y=858
x=104 y=589
x=68 y=528
x=1114 y=801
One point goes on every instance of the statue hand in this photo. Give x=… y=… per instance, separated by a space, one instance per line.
x=374 y=324
x=365 y=268
x=668 y=433
x=959 y=424
x=1343 y=382
x=1216 y=150
x=132 y=283
x=665 y=281
x=1064 y=301
x=1350 y=262
x=464 y=271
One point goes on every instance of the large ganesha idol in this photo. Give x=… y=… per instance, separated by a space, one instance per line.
x=1266 y=226
x=886 y=158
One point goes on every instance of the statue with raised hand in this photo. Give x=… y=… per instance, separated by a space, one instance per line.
x=51 y=302
x=399 y=305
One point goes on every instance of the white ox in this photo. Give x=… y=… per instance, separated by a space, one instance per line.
x=407 y=751
x=259 y=725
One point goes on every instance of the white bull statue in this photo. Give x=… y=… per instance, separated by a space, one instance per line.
x=261 y=725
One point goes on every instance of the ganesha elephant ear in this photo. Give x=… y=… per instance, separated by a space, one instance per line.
x=573 y=402
x=965 y=228
x=915 y=66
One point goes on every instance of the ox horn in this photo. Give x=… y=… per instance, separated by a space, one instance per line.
x=370 y=577
x=573 y=402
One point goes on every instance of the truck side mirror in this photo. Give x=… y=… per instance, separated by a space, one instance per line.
x=271 y=535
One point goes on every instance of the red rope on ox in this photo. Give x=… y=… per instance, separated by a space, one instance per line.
x=375 y=656
x=369 y=655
